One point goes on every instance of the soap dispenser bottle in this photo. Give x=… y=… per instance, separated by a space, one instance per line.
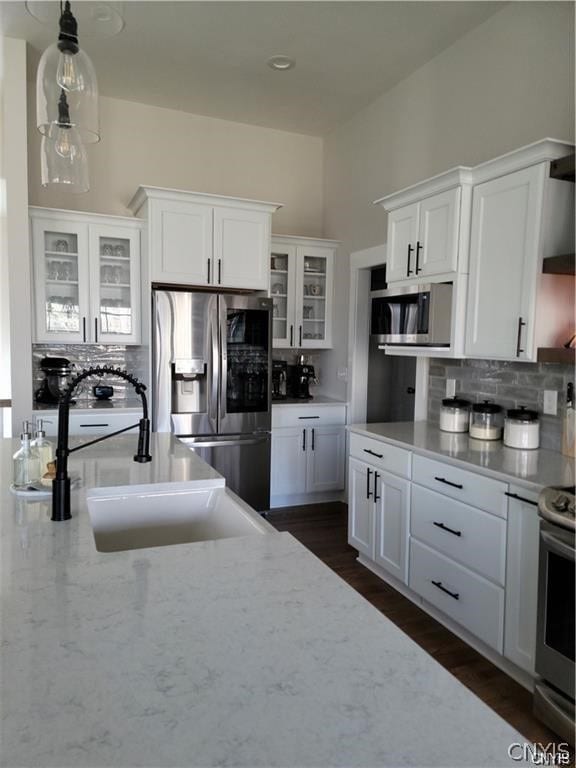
x=26 y=461
x=44 y=447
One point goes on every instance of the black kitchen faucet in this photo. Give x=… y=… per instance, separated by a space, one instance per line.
x=61 y=483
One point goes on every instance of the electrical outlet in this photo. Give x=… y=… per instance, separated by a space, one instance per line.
x=550 y=402
x=342 y=374
x=450 y=387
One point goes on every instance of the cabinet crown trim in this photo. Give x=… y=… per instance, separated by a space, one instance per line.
x=299 y=239
x=84 y=217
x=143 y=193
x=455 y=177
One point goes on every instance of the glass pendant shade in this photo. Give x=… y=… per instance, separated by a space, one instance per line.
x=63 y=158
x=74 y=73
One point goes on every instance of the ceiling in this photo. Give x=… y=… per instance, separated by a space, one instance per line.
x=209 y=58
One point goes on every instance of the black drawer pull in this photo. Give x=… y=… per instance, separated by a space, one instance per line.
x=445 y=528
x=521 y=498
x=376 y=497
x=373 y=453
x=455 y=595
x=308 y=417
x=94 y=425
x=449 y=482
x=368 y=473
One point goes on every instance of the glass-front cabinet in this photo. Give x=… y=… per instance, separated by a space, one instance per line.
x=86 y=278
x=301 y=287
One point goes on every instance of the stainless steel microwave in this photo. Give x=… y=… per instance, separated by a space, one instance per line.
x=417 y=314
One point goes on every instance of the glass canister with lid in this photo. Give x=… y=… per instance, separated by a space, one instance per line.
x=522 y=428
x=486 y=421
x=454 y=414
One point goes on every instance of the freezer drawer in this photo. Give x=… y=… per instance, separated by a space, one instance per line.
x=244 y=461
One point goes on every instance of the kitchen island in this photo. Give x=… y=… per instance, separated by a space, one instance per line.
x=240 y=652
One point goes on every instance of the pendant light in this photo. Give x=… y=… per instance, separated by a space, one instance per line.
x=63 y=156
x=64 y=67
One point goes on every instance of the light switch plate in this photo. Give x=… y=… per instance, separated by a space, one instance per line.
x=450 y=387
x=550 y=402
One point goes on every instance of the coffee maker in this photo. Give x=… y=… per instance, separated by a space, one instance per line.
x=279 y=379
x=300 y=377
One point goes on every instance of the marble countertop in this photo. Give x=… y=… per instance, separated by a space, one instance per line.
x=530 y=469
x=237 y=652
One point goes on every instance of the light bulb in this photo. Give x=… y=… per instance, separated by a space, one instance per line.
x=67 y=75
x=62 y=143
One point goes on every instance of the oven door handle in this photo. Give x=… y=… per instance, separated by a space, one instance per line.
x=557 y=546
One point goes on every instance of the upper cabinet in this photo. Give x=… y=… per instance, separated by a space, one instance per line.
x=86 y=277
x=206 y=240
x=427 y=224
x=302 y=286
x=519 y=216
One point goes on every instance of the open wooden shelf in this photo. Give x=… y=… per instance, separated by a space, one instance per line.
x=556 y=355
x=559 y=265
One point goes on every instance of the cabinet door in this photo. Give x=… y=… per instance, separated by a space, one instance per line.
x=506 y=215
x=314 y=289
x=288 y=461
x=115 y=283
x=437 y=244
x=181 y=243
x=361 y=507
x=391 y=499
x=61 y=280
x=325 y=461
x=241 y=248
x=283 y=292
x=402 y=236
x=522 y=579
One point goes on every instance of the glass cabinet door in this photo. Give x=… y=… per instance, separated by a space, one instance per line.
x=313 y=297
x=115 y=285
x=60 y=274
x=282 y=293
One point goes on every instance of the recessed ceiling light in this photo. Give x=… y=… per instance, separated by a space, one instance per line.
x=281 y=63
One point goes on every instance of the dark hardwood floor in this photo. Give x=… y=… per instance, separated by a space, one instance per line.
x=322 y=528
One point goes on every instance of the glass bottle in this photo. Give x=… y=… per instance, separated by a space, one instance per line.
x=44 y=447
x=26 y=461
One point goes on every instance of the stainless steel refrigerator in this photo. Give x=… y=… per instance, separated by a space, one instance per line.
x=211 y=386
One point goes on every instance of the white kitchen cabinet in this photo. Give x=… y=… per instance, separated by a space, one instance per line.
x=206 y=240
x=86 y=278
x=522 y=578
x=518 y=218
x=302 y=287
x=360 y=507
x=308 y=453
x=91 y=422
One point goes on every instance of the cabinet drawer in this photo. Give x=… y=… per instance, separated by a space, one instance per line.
x=469 y=599
x=381 y=455
x=462 y=485
x=307 y=415
x=95 y=423
x=466 y=534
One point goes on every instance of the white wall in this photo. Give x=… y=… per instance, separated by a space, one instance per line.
x=143 y=144
x=508 y=82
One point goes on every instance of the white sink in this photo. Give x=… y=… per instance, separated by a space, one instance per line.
x=133 y=518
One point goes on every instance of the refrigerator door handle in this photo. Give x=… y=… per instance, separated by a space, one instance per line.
x=222 y=345
x=217 y=443
x=214 y=368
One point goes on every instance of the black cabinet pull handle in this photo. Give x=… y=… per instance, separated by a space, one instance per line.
x=208 y=271
x=373 y=453
x=521 y=323
x=300 y=337
x=308 y=417
x=445 y=528
x=368 y=473
x=418 y=249
x=96 y=330
x=93 y=425
x=448 y=482
x=303 y=439
x=291 y=335
x=438 y=584
x=84 y=328
x=408 y=270
x=376 y=497
x=521 y=498
x=312 y=439
x=219 y=271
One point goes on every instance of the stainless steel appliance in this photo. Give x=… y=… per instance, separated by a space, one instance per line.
x=554 y=691
x=415 y=315
x=57 y=375
x=279 y=378
x=212 y=382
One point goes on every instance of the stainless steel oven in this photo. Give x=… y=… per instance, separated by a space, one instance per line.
x=555 y=639
x=415 y=315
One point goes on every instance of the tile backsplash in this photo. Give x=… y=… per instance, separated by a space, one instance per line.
x=133 y=359
x=509 y=384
